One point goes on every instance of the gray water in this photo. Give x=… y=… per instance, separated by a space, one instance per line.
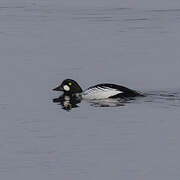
x=132 y=43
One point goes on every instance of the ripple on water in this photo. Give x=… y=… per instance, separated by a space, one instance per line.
x=163 y=98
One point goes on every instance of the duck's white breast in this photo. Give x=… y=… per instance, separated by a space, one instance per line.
x=100 y=93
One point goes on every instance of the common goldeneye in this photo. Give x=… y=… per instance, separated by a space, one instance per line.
x=99 y=91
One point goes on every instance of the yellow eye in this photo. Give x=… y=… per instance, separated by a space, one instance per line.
x=70 y=83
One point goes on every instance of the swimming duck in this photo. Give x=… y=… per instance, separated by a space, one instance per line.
x=99 y=91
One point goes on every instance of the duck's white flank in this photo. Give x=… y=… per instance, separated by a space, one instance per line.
x=100 y=93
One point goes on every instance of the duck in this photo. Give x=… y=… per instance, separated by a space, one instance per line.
x=100 y=91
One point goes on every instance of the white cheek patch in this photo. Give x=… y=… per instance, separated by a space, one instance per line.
x=66 y=87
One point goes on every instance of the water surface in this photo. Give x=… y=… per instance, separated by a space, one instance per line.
x=131 y=44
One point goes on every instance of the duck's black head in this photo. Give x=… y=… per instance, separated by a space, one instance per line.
x=69 y=86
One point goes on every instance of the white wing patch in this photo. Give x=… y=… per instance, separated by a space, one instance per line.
x=100 y=93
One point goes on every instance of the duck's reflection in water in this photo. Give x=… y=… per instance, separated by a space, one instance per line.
x=70 y=102
x=110 y=102
x=67 y=102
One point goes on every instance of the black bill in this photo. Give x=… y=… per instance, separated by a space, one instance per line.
x=59 y=88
